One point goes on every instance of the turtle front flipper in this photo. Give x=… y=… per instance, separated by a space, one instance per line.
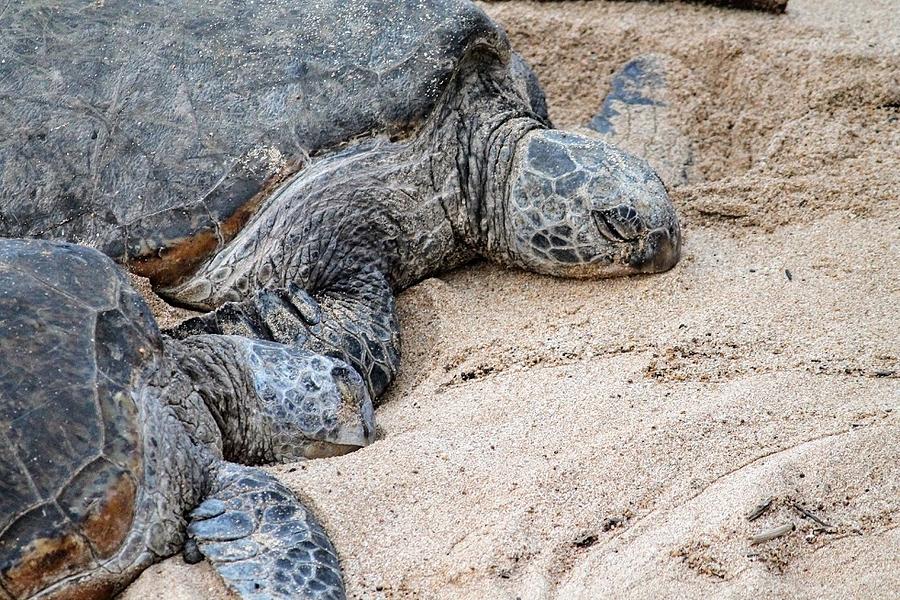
x=262 y=541
x=354 y=320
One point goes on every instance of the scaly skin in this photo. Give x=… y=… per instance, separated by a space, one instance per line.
x=484 y=176
x=271 y=403
x=473 y=170
x=225 y=397
x=253 y=402
x=153 y=425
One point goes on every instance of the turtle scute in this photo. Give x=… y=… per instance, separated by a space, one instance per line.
x=77 y=347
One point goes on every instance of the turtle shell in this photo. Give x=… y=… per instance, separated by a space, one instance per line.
x=76 y=346
x=154 y=130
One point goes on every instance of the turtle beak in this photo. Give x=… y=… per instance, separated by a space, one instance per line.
x=350 y=437
x=662 y=249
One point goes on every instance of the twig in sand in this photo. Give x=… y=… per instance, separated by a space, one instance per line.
x=760 y=508
x=811 y=516
x=771 y=534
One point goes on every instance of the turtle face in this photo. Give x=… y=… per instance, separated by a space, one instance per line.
x=316 y=406
x=579 y=207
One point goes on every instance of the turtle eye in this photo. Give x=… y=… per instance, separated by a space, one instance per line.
x=618 y=224
x=604 y=226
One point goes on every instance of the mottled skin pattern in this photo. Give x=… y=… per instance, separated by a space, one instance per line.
x=111 y=433
x=288 y=167
x=484 y=177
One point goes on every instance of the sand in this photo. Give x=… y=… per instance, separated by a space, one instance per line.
x=552 y=439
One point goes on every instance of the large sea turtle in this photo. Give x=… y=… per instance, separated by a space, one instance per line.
x=287 y=166
x=113 y=433
x=305 y=160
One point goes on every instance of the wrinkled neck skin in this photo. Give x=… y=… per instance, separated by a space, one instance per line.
x=211 y=393
x=203 y=384
x=258 y=402
x=474 y=137
x=406 y=208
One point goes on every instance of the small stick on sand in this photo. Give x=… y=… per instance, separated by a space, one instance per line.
x=776 y=6
x=771 y=534
x=811 y=516
x=773 y=6
x=760 y=508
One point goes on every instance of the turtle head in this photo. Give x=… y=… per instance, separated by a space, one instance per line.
x=578 y=207
x=313 y=406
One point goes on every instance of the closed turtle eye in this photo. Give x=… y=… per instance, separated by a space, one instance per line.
x=604 y=226
x=610 y=226
x=618 y=224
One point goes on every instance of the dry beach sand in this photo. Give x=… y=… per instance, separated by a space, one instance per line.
x=552 y=439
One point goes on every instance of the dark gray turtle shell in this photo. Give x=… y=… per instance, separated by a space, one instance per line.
x=74 y=358
x=143 y=127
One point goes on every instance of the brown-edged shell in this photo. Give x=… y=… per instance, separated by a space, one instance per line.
x=153 y=131
x=77 y=345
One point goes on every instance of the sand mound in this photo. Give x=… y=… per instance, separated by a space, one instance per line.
x=563 y=439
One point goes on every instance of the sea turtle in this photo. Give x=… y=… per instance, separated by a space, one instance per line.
x=290 y=165
x=112 y=433
x=286 y=166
